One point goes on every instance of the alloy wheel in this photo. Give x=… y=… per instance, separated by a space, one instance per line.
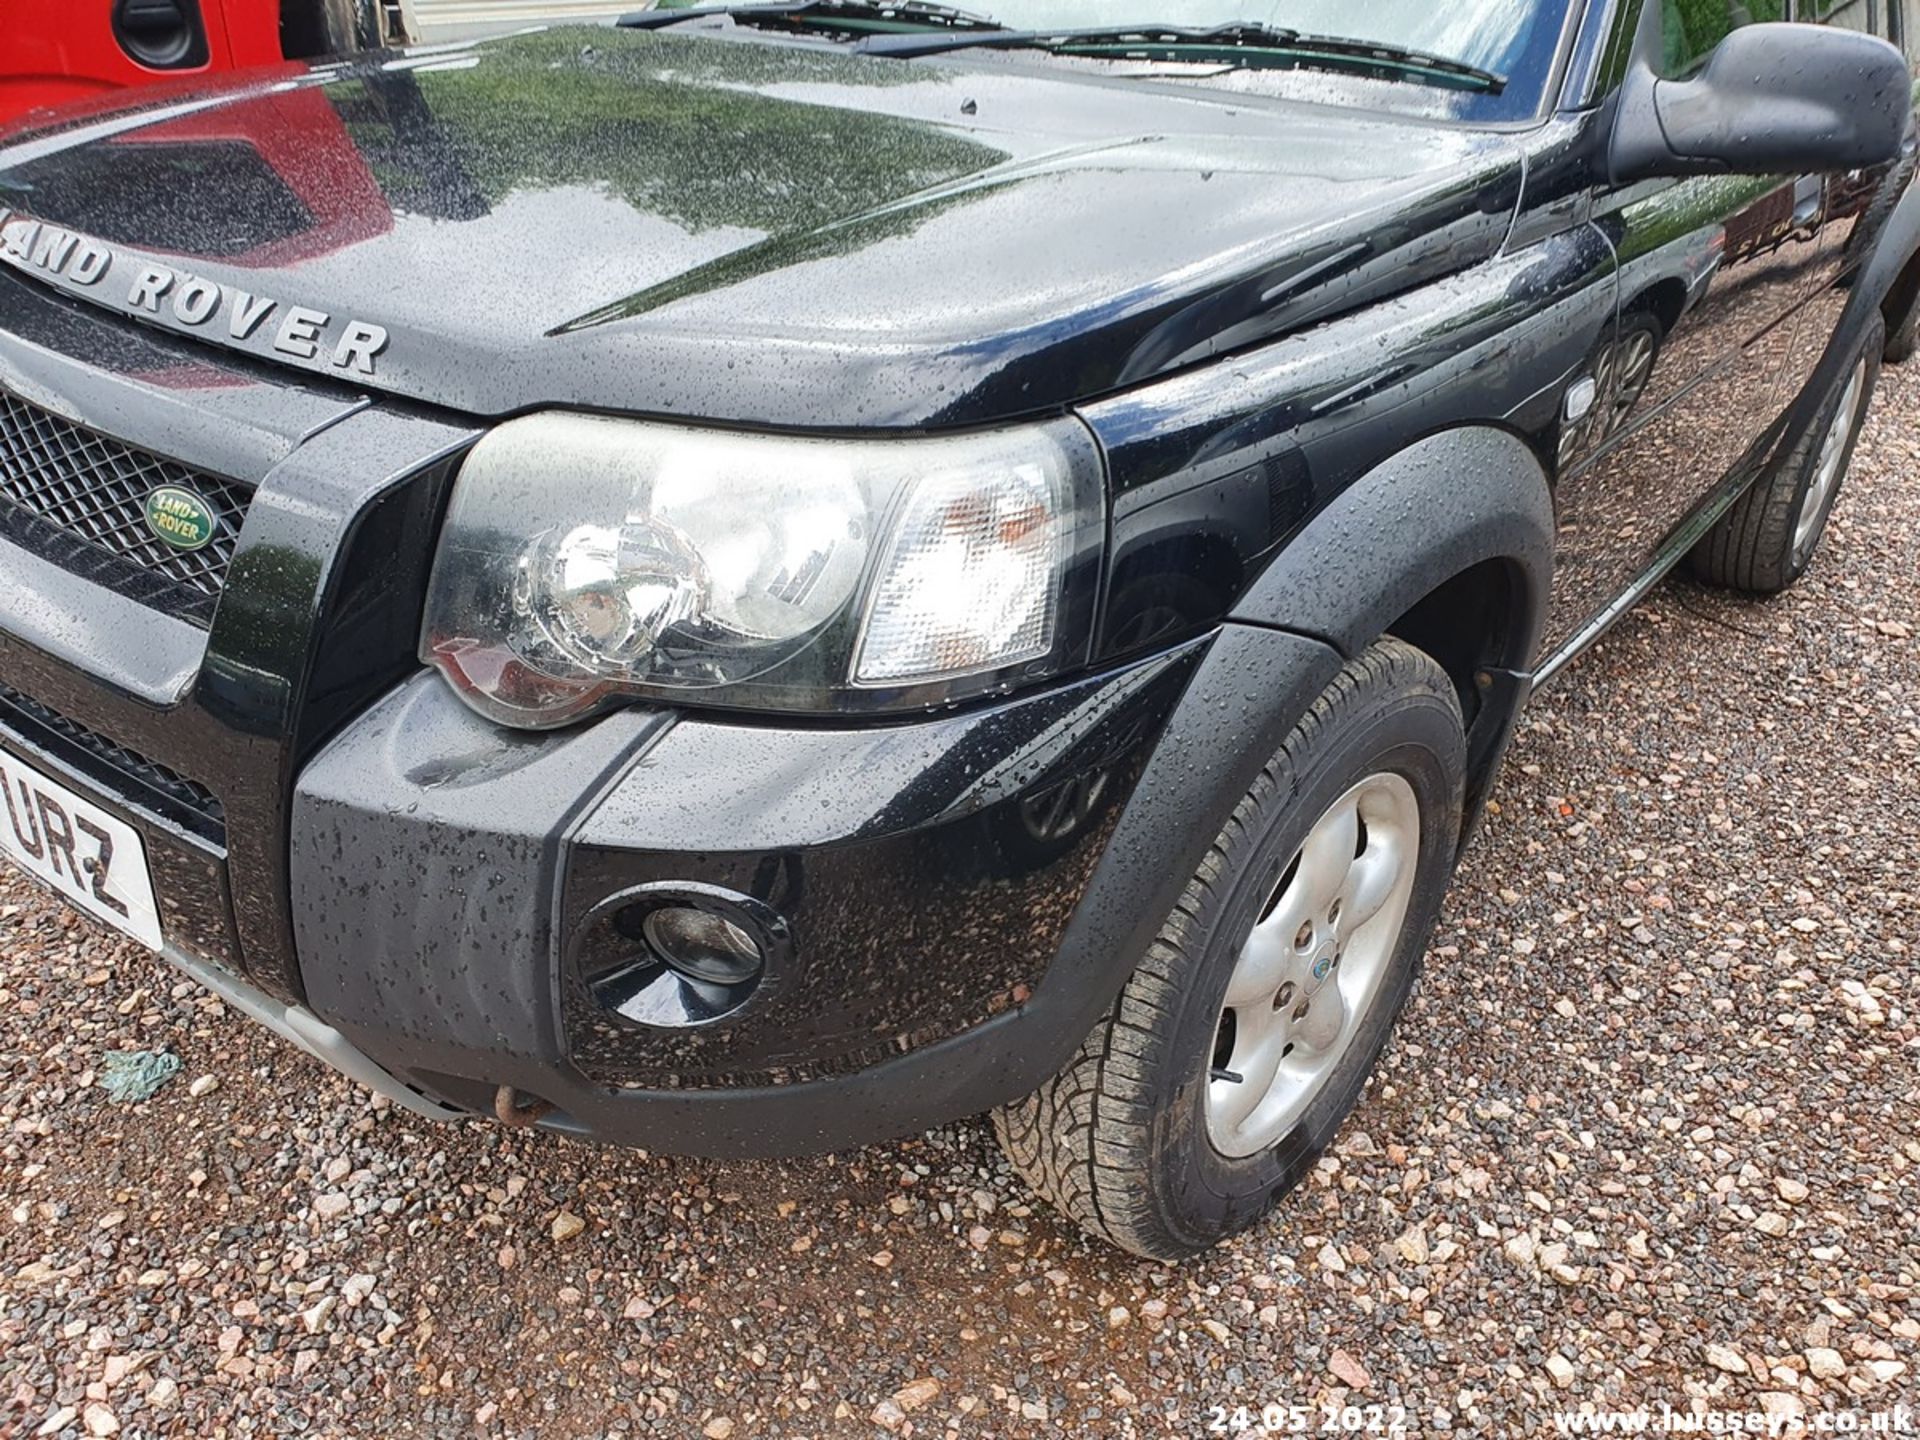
x=1827 y=467
x=1312 y=965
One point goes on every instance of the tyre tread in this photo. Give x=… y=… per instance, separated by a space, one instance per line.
x=1083 y=1139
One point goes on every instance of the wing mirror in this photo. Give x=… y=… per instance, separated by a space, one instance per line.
x=1772 y=99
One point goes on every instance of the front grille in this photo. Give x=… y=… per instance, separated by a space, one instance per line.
x=85 y=487
x=149 y=775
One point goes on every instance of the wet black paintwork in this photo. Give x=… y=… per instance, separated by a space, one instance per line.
x=765 y=233
x=919 y=899
x=1255 y=303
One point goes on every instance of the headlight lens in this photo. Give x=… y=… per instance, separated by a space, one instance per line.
x=587 y=559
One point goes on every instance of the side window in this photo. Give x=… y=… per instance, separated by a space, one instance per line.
x=1694 y=27
x=1865 y=15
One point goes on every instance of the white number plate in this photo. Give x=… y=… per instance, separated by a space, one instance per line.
x=90 y=857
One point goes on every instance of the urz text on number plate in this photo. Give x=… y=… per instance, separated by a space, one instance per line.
x=90 y=857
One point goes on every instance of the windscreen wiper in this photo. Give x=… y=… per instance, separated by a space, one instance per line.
x=903 y=19
x=1141 y=40
x=1246 y=44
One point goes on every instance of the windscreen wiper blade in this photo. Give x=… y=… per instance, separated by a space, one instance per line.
x=1414 y=64
x=1132 y=38
x=1253 y=46
x=905 y=19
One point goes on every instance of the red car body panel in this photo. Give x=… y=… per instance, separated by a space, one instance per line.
x=57 y=53
x=291 y=137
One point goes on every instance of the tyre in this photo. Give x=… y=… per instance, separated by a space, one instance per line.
x=1764 y=543
x=1247 y=1031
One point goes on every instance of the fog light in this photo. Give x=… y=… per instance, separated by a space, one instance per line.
x=677 y=954
x=702 y=946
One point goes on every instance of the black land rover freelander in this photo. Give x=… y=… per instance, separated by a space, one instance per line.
x=774 y=576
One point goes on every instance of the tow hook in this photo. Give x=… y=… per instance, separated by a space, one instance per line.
x=515 y=1116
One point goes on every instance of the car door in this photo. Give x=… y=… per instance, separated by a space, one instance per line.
x=1686 y=385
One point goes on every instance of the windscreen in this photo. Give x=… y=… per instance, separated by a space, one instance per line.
x=1515 y=39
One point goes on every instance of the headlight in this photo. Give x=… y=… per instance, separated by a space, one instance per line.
x=586 y=559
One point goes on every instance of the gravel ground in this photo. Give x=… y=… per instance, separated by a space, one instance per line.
x=1648 y=1134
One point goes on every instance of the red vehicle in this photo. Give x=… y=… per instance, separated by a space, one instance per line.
x=56 y=54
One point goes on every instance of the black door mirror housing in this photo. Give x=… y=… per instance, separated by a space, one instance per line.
x=1772 y=99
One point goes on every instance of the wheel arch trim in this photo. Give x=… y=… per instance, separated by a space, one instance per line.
x=1441 y=507
x=1454 y=500
x=1426 y=515
x=1250 y=689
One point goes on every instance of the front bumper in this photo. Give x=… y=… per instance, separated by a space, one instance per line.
x=442 y=870
x=945 y=958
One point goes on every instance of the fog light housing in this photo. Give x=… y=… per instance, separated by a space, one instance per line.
x=700 y=945
x=678 y=955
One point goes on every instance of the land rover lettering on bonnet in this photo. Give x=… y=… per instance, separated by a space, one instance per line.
x=769 y=577
x=149 y=289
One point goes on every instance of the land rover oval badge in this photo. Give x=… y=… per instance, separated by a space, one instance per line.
x=180 y=519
